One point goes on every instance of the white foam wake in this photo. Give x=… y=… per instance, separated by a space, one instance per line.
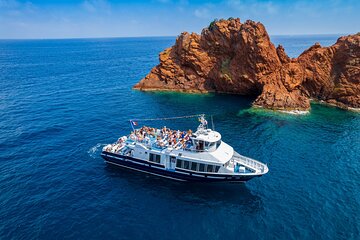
x=94 y=152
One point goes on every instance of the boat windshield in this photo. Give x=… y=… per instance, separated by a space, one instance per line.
x=201 y=145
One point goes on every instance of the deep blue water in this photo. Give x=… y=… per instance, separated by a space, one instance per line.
x=61 y=100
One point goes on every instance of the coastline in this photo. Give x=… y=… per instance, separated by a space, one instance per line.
x=335 y=105
x=286 y=111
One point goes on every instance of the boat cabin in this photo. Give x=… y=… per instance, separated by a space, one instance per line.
x=205 y=140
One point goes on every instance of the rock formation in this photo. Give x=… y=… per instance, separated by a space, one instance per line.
x=234 y=57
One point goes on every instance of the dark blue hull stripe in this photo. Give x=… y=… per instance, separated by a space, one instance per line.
x=132 y=159
x=158 y=169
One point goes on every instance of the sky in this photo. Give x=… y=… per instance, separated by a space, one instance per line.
x=40 y=19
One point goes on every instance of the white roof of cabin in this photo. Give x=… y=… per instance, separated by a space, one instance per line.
x=207 y=135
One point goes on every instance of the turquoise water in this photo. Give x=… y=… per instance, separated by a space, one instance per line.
x=62 y=100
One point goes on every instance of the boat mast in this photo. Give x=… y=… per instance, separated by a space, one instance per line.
x=212 y=123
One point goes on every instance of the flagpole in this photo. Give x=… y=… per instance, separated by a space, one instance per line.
x=132 y=126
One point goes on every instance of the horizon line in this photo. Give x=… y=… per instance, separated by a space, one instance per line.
x=167 y=36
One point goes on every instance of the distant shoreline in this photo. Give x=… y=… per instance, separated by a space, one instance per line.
x=174 y=36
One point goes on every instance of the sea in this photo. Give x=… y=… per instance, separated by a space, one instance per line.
x=61 y=101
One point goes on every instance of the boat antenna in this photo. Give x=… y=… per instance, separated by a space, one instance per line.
x=212 y=123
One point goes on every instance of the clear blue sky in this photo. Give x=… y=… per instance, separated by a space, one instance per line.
x=116 y=18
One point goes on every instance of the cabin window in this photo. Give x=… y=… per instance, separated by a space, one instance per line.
x=209 y=168
x=186 y=165
x=217 y=168
x=201 y=167
x=200 y=145
x=218 y=143
x=178 y=163
x=193 y=166
x=154 y=158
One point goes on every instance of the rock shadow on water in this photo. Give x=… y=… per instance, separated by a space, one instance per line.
x=235 y=197
x=208 y=103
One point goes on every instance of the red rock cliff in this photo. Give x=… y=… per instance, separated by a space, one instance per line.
x=234 y=57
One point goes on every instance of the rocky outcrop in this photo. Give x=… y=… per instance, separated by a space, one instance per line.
x=234 y=57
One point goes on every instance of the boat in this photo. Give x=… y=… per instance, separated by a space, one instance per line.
x=199 y=156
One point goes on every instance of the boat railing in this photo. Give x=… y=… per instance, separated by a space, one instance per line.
x=250 y=162
x=155 y=145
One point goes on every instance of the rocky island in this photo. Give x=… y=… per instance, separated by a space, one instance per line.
x=234 y=57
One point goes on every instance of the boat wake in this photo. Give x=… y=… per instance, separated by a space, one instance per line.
x=94 y=152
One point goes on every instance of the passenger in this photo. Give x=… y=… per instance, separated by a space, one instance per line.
x=162 y=143
x=163 y=130
x=153 y=132
x=183 y=143
x=132 y=136
x=188 y=144
x=139 y=137
x=189 y=132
